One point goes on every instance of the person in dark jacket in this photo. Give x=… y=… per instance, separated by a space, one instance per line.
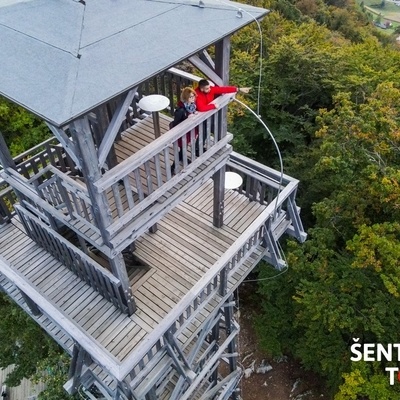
x=186 y=107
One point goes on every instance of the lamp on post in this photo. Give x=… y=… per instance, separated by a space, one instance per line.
x=154 y=103
x=232 y=180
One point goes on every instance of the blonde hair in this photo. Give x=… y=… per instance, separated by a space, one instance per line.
x=185 y=94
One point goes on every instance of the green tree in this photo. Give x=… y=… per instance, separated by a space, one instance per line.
x=344 y=282
x=34 y=354
x=21 y=129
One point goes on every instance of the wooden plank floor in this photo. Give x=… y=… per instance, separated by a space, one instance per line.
x=182 y=250
x=185 y=246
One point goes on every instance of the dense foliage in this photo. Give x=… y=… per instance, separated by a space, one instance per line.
x=33 y=353
x=331 y=96
x=330 y=93
x=21 y=129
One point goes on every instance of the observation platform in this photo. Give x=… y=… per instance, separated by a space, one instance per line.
x=184 y=249
x=181 y=274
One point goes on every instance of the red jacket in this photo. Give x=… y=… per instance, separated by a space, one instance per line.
x=203 y=100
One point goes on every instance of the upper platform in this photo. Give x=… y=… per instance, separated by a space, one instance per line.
x=62 y=59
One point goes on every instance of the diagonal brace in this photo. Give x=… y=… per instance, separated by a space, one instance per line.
x=69 y=146
x=206 y=70
x=298 y=229
x=113 y=127
x=274 y=257
x=176 y=354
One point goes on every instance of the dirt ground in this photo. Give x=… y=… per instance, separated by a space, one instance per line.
x=286 y=380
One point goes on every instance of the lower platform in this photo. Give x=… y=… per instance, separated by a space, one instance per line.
x=178 y=255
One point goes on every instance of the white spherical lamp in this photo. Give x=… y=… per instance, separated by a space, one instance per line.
x=232 y=180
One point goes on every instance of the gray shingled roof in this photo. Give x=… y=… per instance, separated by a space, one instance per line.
x=62 y=58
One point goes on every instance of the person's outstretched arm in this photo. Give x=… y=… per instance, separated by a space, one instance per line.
x=223 y=89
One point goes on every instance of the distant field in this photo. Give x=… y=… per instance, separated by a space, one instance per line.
x=390 y=11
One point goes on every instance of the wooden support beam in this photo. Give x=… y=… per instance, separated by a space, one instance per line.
x=5 y=157
x=83 y=139
x=208 y=325
x=99 y=125
x=119 y=270
x=215 y=338
x=232 y=377
x=80 y=359
x=31 y=304
x=206 y=70
x=69 y=147
x=222 y=55
x=72 y=366
x=113 y=128
x=177 y=355
x=206 y=58
x=85 y=145
x=298 y=229
x=229 y=328
x=219 y=197
x=271 y=243
x=212 y=361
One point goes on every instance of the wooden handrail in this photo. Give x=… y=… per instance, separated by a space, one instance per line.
x=270 y=173
x=157 y=146
x=29 y=152
x=224 y=260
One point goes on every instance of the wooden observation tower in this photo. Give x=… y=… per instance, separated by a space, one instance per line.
x=131 y=268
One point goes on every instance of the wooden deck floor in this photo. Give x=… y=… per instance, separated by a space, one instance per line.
x=182 y=250
x=185 y=246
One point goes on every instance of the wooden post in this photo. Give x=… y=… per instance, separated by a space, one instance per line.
x=5 y=157
x=75 y=369
x=7 y=161
x=222 y=55
x=31 y=304
x=99 y=129
x=81 y=134
x=228 y=312
x=215 y=337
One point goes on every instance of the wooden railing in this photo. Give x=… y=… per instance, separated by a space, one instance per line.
x=147 y=176
x=50 y=152
x=214 y=285
x=38 y=157
x=7 y=200
x=75 y=260
x=28 y=164
x=260 y=183
x=64 y=193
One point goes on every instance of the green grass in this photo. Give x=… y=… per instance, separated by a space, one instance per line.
x=390 y=11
